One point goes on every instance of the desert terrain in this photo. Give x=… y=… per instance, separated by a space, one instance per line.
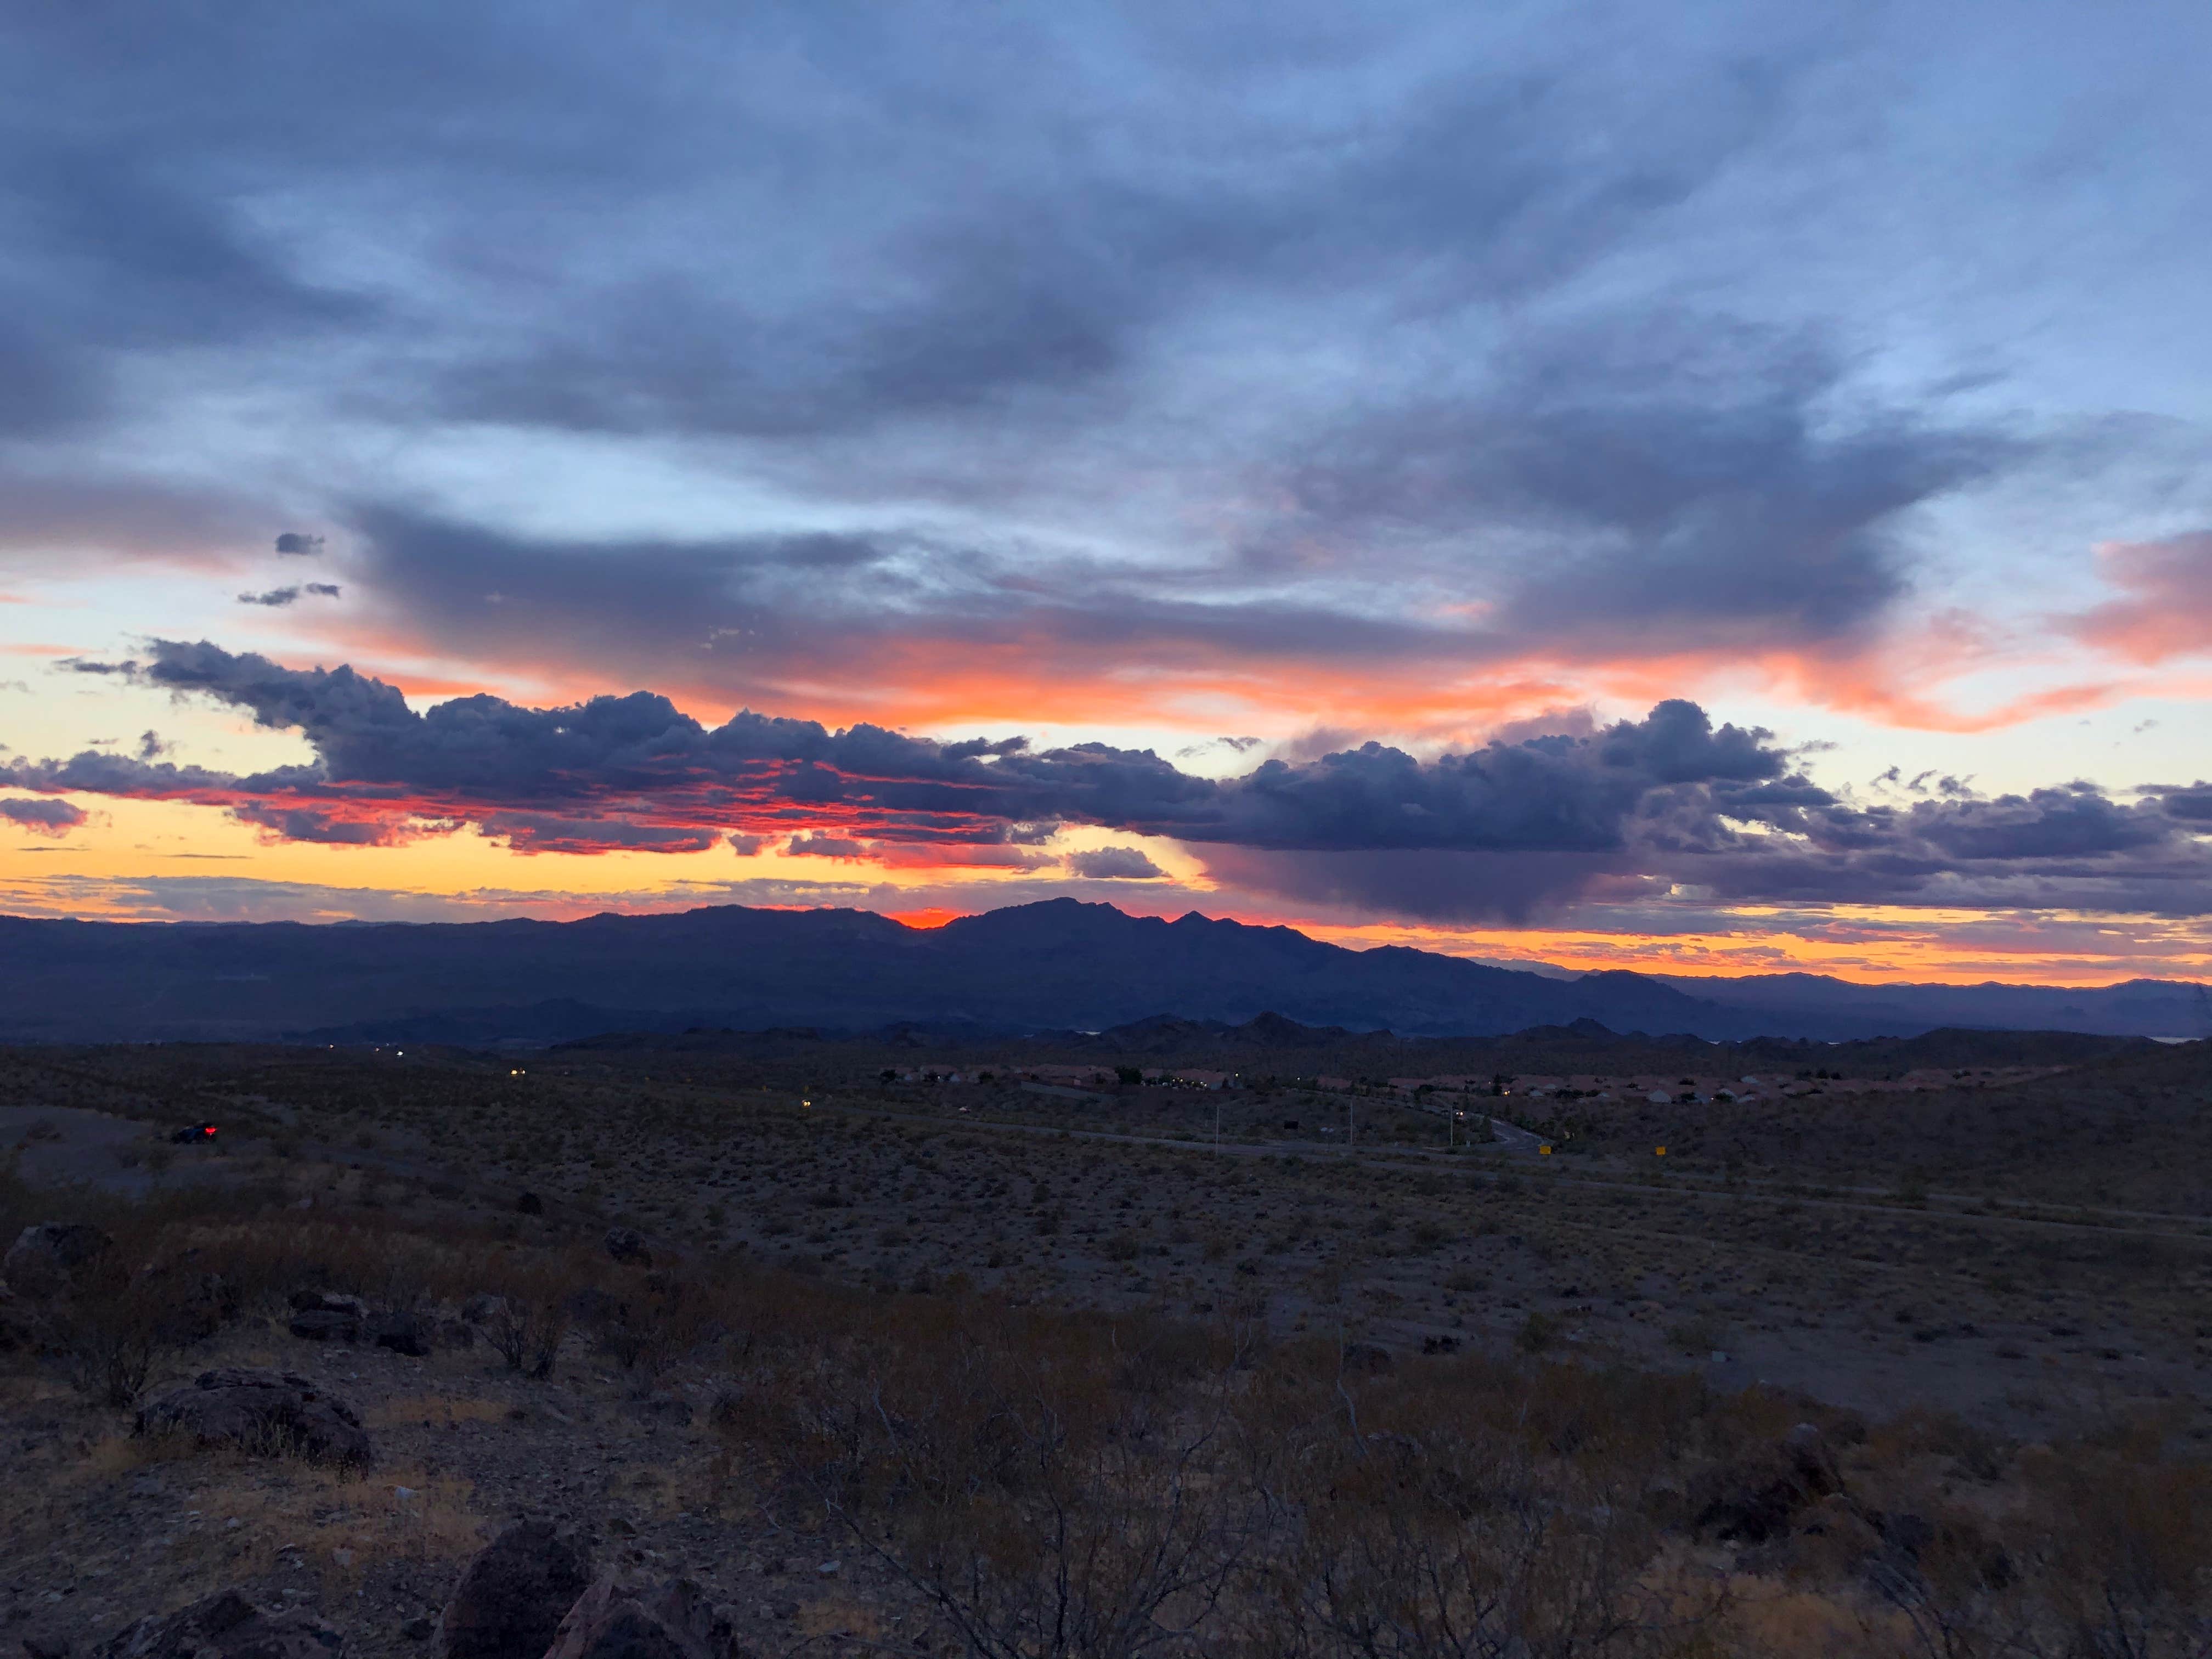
x=1953 y=1263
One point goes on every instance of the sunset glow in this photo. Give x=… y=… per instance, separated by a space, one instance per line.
x=1694 y=501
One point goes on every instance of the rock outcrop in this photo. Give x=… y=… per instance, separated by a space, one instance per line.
x=276 y=1413
x=673 y=1621
x=224 y=1626
x=513 y=1595
x=45 y=1260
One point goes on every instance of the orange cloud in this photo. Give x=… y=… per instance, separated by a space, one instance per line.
x=2168 y=609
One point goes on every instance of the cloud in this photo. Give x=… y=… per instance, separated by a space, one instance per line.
x=1114 y=864
x=1372 y=361
x=42 y=817
x=1669 y=485
x=1671 y=802
x=2168 y=609
x=283 y=595
x=817 y=845
x=547 y=832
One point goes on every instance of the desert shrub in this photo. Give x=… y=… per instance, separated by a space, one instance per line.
x=652 y=1323
x=532 y=1314
x=113 y=1329
x=1537 y=1332
x=1696 y=1334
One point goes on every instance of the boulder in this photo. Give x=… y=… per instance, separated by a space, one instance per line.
x=511 y=1596
x=22 y=1328
x=627 y=1244
x=311 y=1301
x=319 y=1325
x=271 y=1412
x=224 y=1626
x=43 y=1261
x=1807 y=1449
x=402 y=1333
x=529 y=1204
x=673 y=1621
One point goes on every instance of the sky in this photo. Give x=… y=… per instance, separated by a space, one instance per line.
x=1699 y=488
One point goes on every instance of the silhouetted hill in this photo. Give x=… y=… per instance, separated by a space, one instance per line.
x=1059 y=966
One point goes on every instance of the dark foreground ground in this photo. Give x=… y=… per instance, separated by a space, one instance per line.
x=1981 y=1297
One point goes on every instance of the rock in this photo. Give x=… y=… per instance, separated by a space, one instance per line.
x=43 y=1261
x=421 y=1628
x=402 y=1333
x=22 y=1328
x=529 y=1204
x=627 y=1244
x=1807 y=1447
x=455 y=1333
x=322 y=1302
x=224 y=1626
x=511 y=1598
x=673 y=1622
x=482 y=1308
x=263 y=1412
x=317 y=1326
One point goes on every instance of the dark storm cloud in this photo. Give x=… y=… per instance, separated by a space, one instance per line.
x=1668 y=802
x=471 y=755
x=2192 y=803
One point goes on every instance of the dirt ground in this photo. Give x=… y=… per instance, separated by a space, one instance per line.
x=1872 y=1293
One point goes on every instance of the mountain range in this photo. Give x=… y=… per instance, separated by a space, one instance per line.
x=1056 y=965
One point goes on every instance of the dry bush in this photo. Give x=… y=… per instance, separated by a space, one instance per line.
x=532 y=1314
x=652 y=1321
x=1001 y=1470
x=112 y=1331
x=1056 y=1486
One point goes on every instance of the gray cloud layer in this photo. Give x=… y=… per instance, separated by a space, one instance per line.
x=1414 y=335
x=1633 y=808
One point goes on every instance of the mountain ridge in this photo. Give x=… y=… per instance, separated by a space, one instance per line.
x=1059 y=964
